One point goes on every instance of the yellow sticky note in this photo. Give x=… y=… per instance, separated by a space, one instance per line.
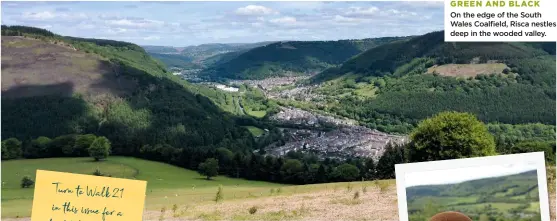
x=75 y=197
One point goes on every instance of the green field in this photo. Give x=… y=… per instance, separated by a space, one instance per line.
x=166 y=184
x=255 y=131
x=258 y=114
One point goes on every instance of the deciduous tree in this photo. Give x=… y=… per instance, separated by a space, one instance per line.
x=451 y=135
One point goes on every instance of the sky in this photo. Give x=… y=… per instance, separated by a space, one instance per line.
x=465 y=174
x=193 y=23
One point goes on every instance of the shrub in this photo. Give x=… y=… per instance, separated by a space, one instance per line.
x=348 y=187
x=100 y=148
x=97 y=172
x=38 y=148
x=383 y=186
x=163 y=211
x=175 y=210
x=451 y=135
x=11 y=149
x=209 y=168
x=346 y=172
x=220 y=195
x=82 y=144
x=357 y=195
x=27 y=182
x=63 y=146
x=252 y=210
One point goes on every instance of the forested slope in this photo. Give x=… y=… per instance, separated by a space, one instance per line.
x=292 y=57
x=109 y=88
x=81 y=89
x=413 y=79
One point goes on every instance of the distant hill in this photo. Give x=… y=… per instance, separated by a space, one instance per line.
x=502 y=197
x=54 y=85
x=387 y=59
x=176 y=61
x=200 y=56
x=292 y=58
x=201 y=52
x=161 y=49
x=395 y=85
x=486 y=186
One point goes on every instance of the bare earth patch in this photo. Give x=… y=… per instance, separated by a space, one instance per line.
x=330 y=204
x=54 y=69
x=467 y=70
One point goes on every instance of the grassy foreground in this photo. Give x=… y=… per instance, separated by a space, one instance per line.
x=176 y=194
x=166 y=184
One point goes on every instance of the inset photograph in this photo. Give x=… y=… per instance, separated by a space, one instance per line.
x=488 y=188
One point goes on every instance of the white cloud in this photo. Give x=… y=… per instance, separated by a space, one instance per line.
x=39 y=15
x=206 y=22
x=284 y=20
x=340 y=18
x=372 y=10
x=257 y=24
x=47 y=15
x=117 y=30
x=394 y=11
x=255 y=10
x=150 y=38
x=297 y=5
x=142 y=23
x=87 y=26
x=423 y=4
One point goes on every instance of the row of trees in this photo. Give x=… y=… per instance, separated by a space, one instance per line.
x=437 y=138
x=63 y=146
x=448 y=135
x=295 y=167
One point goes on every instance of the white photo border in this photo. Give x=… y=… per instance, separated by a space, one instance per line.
x=535 y=158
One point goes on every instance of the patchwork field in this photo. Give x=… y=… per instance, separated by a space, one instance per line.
x=177 y=194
